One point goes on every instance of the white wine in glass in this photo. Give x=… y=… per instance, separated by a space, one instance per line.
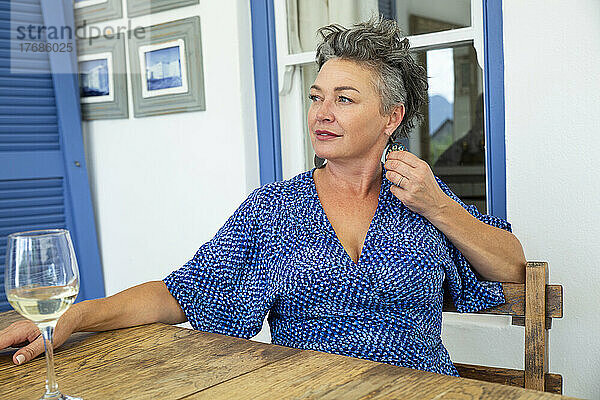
x=41 y=282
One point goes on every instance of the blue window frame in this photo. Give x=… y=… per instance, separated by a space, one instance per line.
x=267 y=98
x=494 y=106
x=266 y=90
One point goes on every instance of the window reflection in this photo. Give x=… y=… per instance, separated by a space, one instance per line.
x=451 y=138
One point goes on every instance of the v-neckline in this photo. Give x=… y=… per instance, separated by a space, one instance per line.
x=325 y=219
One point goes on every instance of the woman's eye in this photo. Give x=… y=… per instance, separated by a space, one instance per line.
x=344 y=99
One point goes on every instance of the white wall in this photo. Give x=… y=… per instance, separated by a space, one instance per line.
x=163 y=185
x=552 y=91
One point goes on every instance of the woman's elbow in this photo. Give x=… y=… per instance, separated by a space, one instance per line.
x=518 y=272
x=520 y=264
x=509 y=272
x=515 y=266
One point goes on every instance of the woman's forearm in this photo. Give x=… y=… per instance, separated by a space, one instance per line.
x=495 y=254
x=143 y=304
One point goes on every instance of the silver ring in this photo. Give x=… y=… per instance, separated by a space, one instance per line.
x=400 y=181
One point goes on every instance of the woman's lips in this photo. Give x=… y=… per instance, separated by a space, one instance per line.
x=325 y=135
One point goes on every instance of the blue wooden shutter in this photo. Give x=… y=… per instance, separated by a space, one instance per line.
x=43 y=177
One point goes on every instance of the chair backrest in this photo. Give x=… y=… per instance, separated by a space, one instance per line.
x=532 y=305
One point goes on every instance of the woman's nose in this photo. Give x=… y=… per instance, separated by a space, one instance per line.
x=325 y=111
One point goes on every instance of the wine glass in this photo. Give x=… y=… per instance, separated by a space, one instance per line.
x=41 y=283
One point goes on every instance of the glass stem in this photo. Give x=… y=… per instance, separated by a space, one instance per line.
x=51 y=385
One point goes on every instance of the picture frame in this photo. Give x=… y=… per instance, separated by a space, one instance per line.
x=135 y=8
x=173 y=62
x=90 y=11
x=166 y=69
x=103 y=78
x=96 y=74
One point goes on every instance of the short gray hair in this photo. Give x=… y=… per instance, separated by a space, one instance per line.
x=380 y=45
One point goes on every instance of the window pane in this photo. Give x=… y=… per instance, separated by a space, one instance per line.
x=425 y=16
x=306 y=16
x=297 y=154
x=414 y=16
x=451 y=137
x=309 y=74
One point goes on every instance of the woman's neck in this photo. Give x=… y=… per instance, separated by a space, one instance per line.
x=350 y=179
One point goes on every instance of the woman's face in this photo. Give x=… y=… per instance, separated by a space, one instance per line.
x=344 y=118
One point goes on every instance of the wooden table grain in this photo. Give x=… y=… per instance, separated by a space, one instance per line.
x=165 y=362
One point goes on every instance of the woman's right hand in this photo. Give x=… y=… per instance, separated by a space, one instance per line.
x=26 y=336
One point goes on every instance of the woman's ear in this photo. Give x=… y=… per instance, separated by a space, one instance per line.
x=394 y=119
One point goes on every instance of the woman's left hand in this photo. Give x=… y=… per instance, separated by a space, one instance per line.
x=414 y=184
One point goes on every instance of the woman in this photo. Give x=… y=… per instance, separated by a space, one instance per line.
x=349 y=258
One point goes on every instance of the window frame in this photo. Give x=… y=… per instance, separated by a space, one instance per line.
x=486 y=25
x=266 y=90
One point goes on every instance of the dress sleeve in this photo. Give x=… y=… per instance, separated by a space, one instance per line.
x=470 y=293
x=225 y=288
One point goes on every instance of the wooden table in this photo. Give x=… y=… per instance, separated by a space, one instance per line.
x=165 y=362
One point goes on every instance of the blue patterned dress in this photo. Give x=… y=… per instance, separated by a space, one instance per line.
x=279 y=255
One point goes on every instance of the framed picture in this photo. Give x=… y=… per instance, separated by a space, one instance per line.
x=136 y=8
x=103 y=78
x=96 y=84
x=166 y=69
x=96 y=10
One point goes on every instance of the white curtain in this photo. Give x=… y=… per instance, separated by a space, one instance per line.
x=306 y=16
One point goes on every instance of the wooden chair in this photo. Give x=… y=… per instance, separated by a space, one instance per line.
x=532 y=305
